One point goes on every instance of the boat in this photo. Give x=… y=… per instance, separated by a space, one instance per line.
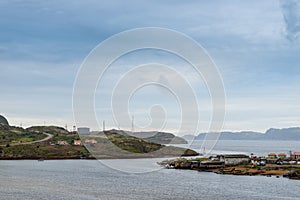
x=286 y=175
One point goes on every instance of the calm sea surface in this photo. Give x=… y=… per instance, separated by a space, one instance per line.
x=260 y=148
x=90 y=179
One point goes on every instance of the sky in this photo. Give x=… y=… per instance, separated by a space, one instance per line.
x=254 y=44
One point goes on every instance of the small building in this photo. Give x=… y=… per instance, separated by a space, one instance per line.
x=91 y=141
x=52 y=143
x=234 y=159
x=295 y=155
x=210 y=164
x=271 y=160
x=77 y=142
x=195 y=164
x=62 y=143
x=282 y=155
x=83 y=130
x=272 y=155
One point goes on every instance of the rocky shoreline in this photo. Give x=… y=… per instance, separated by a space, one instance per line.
x=204 y=165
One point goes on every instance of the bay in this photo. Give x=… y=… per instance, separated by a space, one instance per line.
x=91 y=179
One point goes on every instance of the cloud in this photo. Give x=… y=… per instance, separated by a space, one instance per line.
x=291 y=15
x=43 y=43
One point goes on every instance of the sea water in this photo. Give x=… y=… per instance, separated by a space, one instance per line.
x=91 y=179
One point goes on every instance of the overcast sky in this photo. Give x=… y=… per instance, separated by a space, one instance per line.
x=255 y=45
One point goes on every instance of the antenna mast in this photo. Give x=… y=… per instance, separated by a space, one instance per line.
x=132 y=124
x=103 y=125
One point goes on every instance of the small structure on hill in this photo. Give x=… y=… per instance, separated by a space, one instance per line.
x=83 y=130
x=77 y=142
x=91 y=141
x=62 y=143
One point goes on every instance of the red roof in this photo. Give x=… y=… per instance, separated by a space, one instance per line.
x=272 y=154
x=296 y=153
x=282 y=154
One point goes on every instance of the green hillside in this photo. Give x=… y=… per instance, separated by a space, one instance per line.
x=61 y=145
x=115 y=145
x=10 y=135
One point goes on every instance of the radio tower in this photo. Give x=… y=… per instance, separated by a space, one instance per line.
x=103 y=125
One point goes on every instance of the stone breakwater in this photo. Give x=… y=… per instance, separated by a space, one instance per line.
x=206 y=165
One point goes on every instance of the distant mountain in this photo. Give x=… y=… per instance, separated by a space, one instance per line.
x=153 y=136
x=271 y=134
x=283 y=134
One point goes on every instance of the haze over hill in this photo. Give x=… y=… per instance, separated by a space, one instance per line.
x=292 y=133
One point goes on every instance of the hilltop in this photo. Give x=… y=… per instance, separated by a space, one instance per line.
x=152 y=136
x=11 y=135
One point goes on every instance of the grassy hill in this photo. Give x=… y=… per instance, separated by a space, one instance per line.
x=153 y=136
x=47 y=149
x=111 y=145
x=15 y=135
x=162 y=138
x=115 y=145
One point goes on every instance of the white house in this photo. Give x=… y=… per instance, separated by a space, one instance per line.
x=77 y=142
x=91 y=141
x=62 y=143
x=234 y=159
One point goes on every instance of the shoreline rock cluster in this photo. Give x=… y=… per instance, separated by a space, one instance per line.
x=206 y=165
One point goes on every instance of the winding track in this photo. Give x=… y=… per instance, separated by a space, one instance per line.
x=49 y=136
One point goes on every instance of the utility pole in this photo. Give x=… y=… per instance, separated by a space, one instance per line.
x=132 y=124
x=103 y=125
